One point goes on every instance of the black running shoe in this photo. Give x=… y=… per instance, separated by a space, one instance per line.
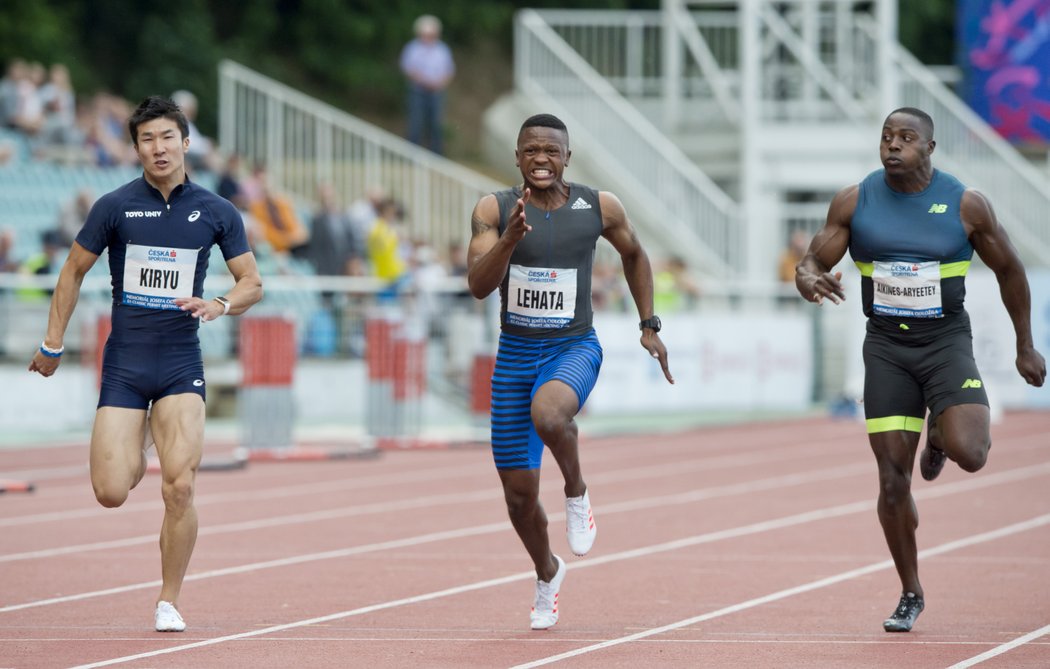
x=905 y=614
x=931 y=462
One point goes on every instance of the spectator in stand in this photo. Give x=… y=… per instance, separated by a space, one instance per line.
x=59 y=130
x=16 y=69
x=364 y=211
x=385 y=250
x=334 y=249
x=72 y=215
x=201 y=154
x=229 y=185
x=22 y=108
x=276 y=218
x=8 y=263
x=44 y=263
x=427 y=63
x=674 y=288
x=798 y=242
x=105 y=132
x=792 y=254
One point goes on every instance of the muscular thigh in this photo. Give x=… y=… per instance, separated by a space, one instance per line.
x=178 y=427
x=116 y=438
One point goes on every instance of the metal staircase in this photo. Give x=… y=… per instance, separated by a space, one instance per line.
x=724 y=125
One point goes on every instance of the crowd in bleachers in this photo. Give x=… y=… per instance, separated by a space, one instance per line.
x=54 y=145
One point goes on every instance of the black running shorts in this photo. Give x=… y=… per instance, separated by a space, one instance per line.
x=903 y=378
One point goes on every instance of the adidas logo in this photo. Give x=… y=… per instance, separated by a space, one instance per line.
x=580 y=203
x=971 y=383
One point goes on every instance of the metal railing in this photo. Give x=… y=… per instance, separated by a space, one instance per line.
x=641 y=159
x=304 y=142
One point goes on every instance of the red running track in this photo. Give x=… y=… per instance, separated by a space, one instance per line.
x=751 y=546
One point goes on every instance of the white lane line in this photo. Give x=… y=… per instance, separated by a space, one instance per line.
x=700 y=462
x=450 y=498
x=965 y=485
x=343 y=484
x=415 y=541
x=972 y=540
x=1006 y=647
x=625 y=555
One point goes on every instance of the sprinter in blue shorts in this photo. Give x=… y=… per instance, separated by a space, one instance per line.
x=159 y=230
x=912 y=230
x=535 y=243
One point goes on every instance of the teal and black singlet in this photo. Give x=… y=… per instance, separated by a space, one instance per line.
x=913 y=254
x=546 y=319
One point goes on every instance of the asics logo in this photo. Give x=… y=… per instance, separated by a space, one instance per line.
x=937 y=209
x=580 y=203
x=194 y=216
x=971 y=383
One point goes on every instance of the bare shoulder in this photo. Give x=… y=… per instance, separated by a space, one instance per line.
x=613 y=212
x=485 y=216
x=843 y=205
x=976 y=211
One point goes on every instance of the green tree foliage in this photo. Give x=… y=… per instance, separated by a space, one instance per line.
x=342 y=51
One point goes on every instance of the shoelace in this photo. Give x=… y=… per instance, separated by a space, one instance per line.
x=579 y=520
x=544 y=597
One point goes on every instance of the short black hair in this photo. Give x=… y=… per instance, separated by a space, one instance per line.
x=155 y=107
x=545 y=121
x=924 y=118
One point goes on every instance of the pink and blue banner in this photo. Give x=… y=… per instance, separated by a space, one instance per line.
x=1004 y=52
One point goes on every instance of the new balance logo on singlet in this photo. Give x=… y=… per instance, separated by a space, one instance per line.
x=971 y=383
x=580 y=203
x=937 y=209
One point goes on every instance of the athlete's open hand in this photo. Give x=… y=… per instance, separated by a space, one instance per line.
x=206 y=310
x=1032 y=367
x=651 y=342
x=43 y=364
x=516 y=225
x=816 y=287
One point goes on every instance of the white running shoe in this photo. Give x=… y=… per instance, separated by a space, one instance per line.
x=579 y=523
x=545 y=605
x=167 y=618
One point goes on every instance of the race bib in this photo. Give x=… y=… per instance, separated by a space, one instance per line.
x=541 y=297
x=155 y=275
x=907 y=289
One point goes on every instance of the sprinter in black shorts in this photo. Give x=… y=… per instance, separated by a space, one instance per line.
x=912 y=230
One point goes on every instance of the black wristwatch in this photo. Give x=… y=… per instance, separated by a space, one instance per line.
x=651 y=323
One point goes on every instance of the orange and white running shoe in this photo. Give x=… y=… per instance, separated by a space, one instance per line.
x=545 y=605
x=579 y=523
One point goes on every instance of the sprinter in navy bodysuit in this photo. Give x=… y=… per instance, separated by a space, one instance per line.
x=911 y=230
x=159 y=230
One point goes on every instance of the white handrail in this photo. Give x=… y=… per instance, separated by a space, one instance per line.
x=305 y=142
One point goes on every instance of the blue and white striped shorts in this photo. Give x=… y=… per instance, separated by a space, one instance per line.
x=522 y=366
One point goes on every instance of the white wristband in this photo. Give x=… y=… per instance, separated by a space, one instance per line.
x=225 y=304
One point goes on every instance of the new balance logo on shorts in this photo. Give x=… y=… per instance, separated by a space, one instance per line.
x=580 y=203
x=971 y=383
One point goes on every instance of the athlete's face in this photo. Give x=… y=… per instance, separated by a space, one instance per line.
x=906 y=145
x=542 y=155
x=161 y=148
